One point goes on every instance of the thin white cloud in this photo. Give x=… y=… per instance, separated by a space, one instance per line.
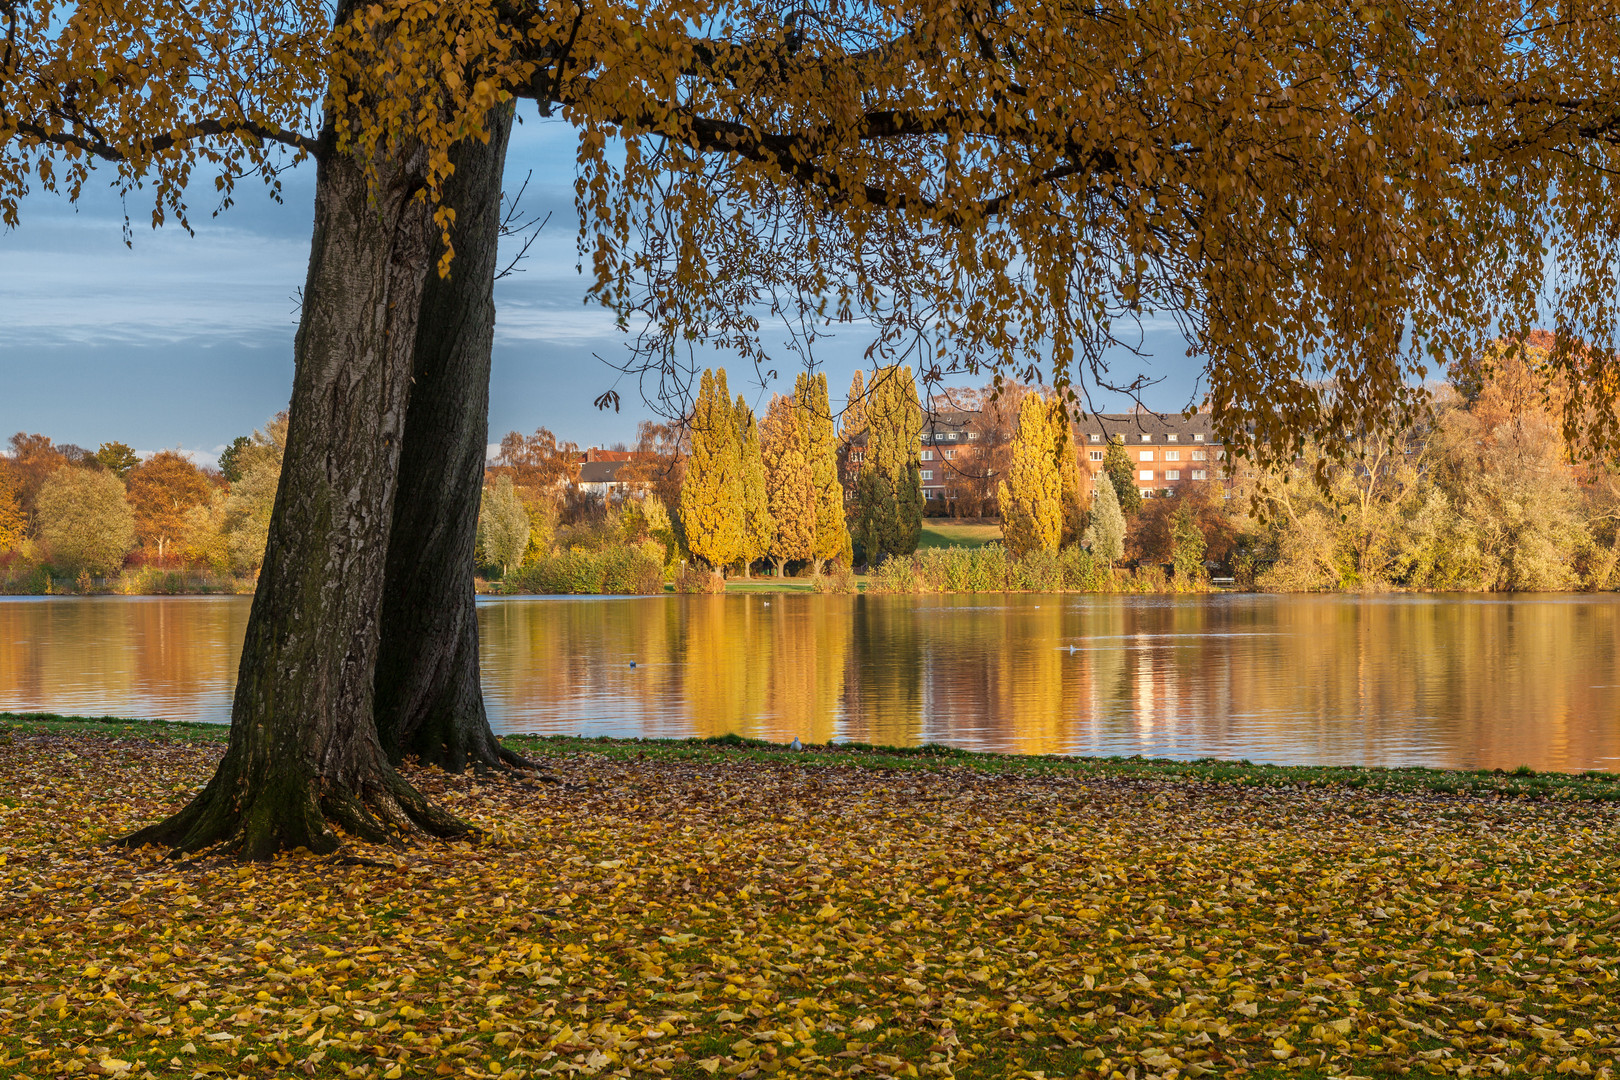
x=518 y=322
x=74 y=283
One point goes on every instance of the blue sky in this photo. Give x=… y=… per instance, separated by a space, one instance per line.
x=186 y=341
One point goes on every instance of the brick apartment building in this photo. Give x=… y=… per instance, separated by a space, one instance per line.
x=1168 y=452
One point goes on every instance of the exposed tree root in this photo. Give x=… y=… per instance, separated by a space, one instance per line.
x=287 y=816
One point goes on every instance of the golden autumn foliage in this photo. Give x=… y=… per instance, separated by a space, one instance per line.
x=1331 y=198
x=719 y=912
x=757 y=527
x=1031 y=496
x=13 y=525
x=162 y=491
x=789 y=489
x=711 y=505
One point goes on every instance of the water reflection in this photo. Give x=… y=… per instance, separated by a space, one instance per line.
x=1449 y=681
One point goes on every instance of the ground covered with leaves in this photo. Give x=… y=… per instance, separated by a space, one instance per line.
x=726 y=913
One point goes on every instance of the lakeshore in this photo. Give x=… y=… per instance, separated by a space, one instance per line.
x=723 y=908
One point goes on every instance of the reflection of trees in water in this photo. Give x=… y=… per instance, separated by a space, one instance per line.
x=172 y=659
x=563 y=666
x=807 y=638
x=1484 y=681
x=1443 y=680
x=726 y=666
x=883 y=703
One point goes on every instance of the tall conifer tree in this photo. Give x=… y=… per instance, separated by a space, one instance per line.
x=1031 y=496
x=1106 y=534
x=789 y=489
x=1122 y=474
x=821 y=444
x=757 y=528
x=711 y=494
x=888 y=492
x=854 y=410
x=1072 y=498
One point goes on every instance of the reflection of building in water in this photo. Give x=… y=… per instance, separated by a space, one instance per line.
x=1143 y=683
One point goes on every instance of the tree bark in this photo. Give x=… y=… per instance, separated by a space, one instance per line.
x=429 y=701
x=304 y=759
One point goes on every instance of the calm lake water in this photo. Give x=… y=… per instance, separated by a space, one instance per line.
x=1447 y=681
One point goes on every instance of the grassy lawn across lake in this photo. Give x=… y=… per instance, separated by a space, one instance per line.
x=729 y=909
x=942 y=533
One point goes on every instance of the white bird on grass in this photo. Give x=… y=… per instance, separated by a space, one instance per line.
x=796 y=746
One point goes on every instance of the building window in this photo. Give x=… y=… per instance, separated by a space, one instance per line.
x=1220 y=455
x=1096 y=437
x=928 y=474
x=857 y=455
x=1147 y=455
x=1198 y=436
x=1147 y=438
x=927 y=455
x=1170 y=437
x=1199 y=474
x=1172 y=455
x=1198 y=455
x=1145 y=474
x=973 y=434
x=1096 y=455
x=1173 y=474
x=949 y=454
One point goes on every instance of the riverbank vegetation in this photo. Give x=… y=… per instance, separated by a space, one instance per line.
x=725 y=909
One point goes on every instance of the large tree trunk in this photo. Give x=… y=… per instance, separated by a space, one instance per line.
x=429 y=702
x=304 y=759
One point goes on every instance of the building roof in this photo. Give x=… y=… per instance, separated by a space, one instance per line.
x=1143 y=427
x=600 y=472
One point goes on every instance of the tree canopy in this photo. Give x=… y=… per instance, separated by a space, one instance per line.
x=1332 y=200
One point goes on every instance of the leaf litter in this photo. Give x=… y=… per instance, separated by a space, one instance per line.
x=729 y=917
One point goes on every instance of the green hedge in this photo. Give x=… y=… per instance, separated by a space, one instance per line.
x=991 y=569
x=617 y=570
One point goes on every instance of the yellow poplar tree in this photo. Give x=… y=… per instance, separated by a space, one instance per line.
x=821 y=453
x=789 y=486
x=1031 y=496
x=757 y=528
x=854 y=409
x=888 y=491
x=1073 y=497
x=711 y=494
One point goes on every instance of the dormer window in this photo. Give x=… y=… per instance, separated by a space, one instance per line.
x=1198 y=436
x=1147 y=438
x=1170 y=438
x=1096 y=437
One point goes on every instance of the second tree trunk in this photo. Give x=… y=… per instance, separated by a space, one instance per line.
x=429 y=702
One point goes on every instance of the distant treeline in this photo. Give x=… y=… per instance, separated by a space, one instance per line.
x=72 y=520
